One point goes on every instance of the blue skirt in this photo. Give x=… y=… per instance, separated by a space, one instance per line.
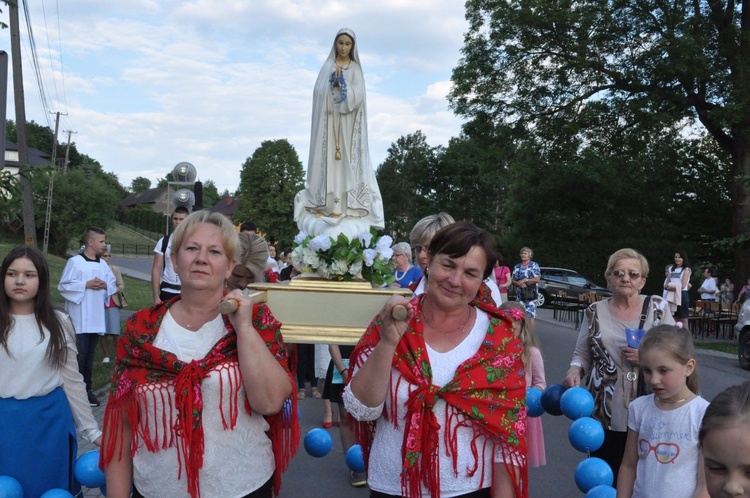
x=38 y=445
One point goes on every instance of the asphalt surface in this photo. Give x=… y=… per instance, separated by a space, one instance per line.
x=327 y=477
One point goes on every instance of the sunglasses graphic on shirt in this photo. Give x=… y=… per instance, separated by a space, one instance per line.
x=663 y=452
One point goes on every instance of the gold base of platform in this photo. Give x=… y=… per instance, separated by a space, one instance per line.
x=324 y=311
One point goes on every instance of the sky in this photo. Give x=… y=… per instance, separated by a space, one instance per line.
x=146 y=84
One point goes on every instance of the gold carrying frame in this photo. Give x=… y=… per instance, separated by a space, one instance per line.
x=318 y=311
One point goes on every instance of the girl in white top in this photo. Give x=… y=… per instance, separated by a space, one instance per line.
x=662 y=457
x=42 y=395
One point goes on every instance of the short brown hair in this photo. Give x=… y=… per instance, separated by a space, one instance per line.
x=457 y=239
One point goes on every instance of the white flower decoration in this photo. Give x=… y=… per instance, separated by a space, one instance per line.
x=300 y=238
x=365 y=238
x=369 y=255
x=320 y=243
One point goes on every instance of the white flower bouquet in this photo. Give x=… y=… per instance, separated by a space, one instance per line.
x=367 y=257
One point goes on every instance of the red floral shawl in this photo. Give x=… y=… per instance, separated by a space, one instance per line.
x=140 y=363
x=487 y=393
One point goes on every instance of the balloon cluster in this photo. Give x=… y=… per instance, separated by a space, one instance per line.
x=86 y=471
x=593 y=476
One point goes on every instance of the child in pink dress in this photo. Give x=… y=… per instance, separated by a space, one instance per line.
x=534 y=367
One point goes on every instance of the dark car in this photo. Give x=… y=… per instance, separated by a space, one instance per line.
x=568 y=281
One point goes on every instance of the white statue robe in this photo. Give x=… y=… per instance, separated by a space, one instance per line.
x=86 y=306
x=345 y=189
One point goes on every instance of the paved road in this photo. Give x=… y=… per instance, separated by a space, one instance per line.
x=328 y=476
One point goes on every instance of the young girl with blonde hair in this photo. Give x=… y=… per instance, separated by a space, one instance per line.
x=534 y=367
x=662 y=457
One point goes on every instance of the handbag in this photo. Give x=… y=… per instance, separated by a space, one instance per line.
x=529 y=293
x=123 y=300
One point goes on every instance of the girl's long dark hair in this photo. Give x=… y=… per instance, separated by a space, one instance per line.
x=46 y=317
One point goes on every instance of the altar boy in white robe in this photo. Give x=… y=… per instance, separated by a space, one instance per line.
x=86 y=284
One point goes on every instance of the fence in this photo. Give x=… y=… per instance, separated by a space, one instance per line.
x=133 y=249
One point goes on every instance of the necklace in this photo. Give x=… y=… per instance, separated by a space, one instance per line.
x=403 y=274
x=444 y=332
x=676 y=401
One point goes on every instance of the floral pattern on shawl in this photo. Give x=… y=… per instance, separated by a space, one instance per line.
x=487 y=394
x=141 y=363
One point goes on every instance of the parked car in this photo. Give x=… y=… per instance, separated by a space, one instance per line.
x=742 y=332
x=568 y=281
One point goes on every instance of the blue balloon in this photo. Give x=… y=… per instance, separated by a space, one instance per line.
x=586 y=434
x=10 y=488
x=57 y=493
x=103 y=490
x=551 y=399
x=87 y=470
x=577 y=402
x=602 y=491
x=318 y=443
x=534 y=402
x=354 y=458
x=593 y=472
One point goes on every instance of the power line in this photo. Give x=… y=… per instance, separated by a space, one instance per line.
x=35 y=60
x=49 y=51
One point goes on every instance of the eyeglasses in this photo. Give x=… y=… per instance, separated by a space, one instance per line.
x=634 y=275
x=419 y=249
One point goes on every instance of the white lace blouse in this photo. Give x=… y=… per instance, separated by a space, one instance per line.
x=385 y=463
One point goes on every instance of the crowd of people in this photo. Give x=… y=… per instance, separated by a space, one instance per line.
x=188 y=379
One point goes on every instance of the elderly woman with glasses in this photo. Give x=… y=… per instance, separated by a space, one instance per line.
x=405 y=274
x=602 y=361
x=421 y=237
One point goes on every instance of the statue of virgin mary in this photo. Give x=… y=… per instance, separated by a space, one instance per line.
x=341 y=194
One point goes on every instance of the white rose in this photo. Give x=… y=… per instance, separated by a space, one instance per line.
x=384 y=244
x=356 y=267
x=339 y=267
x=365 y=238
x=369 y=256
x=320 y=243
x=300 y=237
x=310 y=257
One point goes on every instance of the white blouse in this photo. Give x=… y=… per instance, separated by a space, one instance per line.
x=26 y=373
x=385 y=463
x=235 y=462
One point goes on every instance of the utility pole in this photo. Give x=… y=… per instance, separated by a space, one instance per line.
x=48 y=214
x=23 y=147
x=67 y=152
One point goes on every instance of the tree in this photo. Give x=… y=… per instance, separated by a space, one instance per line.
x=78 y=202
x=140 y=184
x=269 y=180
x=210 y=194
x=405 y=183
x=680 y=62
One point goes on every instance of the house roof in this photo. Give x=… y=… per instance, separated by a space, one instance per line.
x=149 y=196
x=227 y=206
x=36 y=156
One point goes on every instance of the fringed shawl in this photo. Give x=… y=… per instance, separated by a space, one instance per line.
x=139 y=363
x=487 y=394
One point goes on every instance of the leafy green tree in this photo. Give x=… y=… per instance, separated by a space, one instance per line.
x=405 y=183
x=78 y=201
x=677 y=62
x=210 y=194
x=140 y=184
x=269 y=180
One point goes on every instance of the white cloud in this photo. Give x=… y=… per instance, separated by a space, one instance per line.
x=148 y=84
